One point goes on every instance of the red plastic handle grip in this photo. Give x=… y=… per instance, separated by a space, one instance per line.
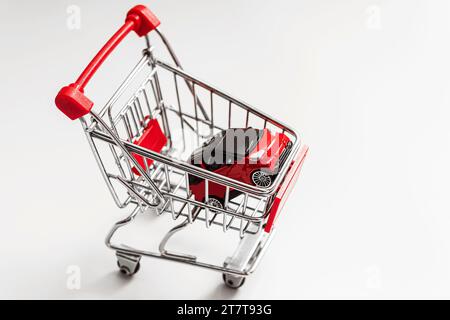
x=71 y=99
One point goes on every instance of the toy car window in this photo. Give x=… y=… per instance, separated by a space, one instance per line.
x=229 y=146
x=239 y=142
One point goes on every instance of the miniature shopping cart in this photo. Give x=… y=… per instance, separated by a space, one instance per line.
x=143 y=136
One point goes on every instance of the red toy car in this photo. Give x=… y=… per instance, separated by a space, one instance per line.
x=249 y=155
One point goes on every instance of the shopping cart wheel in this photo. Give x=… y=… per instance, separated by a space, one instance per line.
x=233 y=281
x=128 y=264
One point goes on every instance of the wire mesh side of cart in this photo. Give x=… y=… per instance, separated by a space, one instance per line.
x=189 y=112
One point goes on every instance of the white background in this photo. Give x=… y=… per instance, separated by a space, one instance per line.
x=367 y=84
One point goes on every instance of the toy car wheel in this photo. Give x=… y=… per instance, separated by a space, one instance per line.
x=214 y=202
x=261 y=179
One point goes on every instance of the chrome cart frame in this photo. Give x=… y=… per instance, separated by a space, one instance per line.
x=190 y=111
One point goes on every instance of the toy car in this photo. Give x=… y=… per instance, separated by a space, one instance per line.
x=249 y=155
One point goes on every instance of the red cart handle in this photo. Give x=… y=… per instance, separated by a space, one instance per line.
x=71 y=99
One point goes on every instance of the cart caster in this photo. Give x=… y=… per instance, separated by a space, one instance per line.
x=128 y=264
x=232 y=281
